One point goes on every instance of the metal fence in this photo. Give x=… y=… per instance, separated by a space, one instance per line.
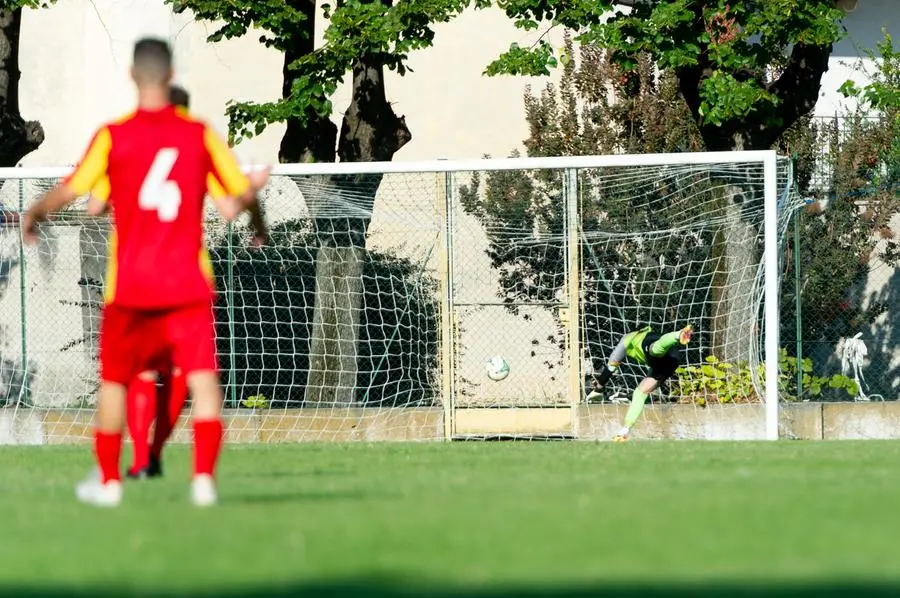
x=841 y=297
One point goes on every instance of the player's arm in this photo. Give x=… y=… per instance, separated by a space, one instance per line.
x=86 y=175
x=98 y=202
x=239 y=190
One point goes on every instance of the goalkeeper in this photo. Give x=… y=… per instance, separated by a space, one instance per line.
x=660 y=353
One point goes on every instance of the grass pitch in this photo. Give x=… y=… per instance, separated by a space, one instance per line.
x=492 y=520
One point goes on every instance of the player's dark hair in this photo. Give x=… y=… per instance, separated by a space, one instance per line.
x=152 y=60
x=179 y=96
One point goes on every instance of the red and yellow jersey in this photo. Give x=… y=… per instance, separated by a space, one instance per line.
x=154 y=167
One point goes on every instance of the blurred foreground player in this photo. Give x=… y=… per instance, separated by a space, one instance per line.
x=158 y=291
x=146 y=402
x=143 y=405
x=646 y=347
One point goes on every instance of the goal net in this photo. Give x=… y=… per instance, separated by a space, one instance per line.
x=386 y=287
x=659 y=242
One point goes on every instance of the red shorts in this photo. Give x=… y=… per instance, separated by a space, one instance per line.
x=134 y=340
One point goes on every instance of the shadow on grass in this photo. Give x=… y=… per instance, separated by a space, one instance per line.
x=378 y=589
x=294 y=474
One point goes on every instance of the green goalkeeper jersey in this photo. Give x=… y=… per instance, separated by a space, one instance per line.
x=634 y=344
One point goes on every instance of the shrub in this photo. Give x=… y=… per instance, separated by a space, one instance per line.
x=722 y=382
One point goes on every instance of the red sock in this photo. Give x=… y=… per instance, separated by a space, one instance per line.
x=168 y=410
x=207 y=443
x=108 y=448
x=140 y=409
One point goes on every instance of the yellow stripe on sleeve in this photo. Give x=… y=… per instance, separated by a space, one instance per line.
x=214 y=188
x=225 y=166
x=101 y=189
x=93 y=166
x=112 y=269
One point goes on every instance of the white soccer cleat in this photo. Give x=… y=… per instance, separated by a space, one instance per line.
x=93 y=492
x=203 y=491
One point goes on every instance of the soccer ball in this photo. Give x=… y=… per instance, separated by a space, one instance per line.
x=497 y=368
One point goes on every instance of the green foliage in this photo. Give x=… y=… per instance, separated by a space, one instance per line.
x=34 y=4
x=257 y=401
x=356 y=28
x=730 y=47
x=717 y=381
x=883 y=92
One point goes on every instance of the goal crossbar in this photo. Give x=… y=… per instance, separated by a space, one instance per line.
x=475 y=165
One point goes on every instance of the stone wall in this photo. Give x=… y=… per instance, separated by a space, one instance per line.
x=806 y=421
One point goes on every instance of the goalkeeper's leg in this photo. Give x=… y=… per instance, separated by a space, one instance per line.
x=615 y=360
x=638 y=398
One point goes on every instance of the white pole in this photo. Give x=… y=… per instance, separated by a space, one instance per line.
x=770 y=251
x=324 y=168
x=573 y=286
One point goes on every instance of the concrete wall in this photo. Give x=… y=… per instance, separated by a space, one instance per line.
x=806 y=421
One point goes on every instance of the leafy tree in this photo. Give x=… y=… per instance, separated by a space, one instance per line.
x=747 y=69
x=363 y=37
x=18 y=137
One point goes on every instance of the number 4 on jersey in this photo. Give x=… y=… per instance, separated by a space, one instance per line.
x=158 y=193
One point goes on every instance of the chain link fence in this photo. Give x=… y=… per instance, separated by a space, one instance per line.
x=841 y=293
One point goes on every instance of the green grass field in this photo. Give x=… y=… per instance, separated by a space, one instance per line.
x=467 y=519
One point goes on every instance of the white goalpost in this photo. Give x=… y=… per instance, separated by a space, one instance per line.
x=386 y=287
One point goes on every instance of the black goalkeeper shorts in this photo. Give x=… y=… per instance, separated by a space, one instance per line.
x=661 y=368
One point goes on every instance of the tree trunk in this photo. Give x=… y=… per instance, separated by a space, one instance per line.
x=737 y=257
x=312 y=140
x=342 y=207
x=18 y=138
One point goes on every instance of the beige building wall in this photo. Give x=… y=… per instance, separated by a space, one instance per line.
x=75 y=58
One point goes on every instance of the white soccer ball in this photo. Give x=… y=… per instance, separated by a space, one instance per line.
x=497 y=368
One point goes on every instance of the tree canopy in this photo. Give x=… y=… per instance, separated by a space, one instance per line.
x=361 y=36
x=747 y=69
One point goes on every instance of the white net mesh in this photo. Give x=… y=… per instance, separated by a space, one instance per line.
x=659 y=246
x=373 y=309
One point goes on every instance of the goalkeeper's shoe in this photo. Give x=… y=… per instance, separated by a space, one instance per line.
x=620 y=438
x=94 y=492
x=203 y=491
x=596 y=391
x=686 y=333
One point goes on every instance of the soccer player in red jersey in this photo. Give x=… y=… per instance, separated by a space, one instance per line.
x=159 y=289
x=143 y=406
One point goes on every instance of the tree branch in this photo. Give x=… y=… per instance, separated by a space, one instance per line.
x=797 y=89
